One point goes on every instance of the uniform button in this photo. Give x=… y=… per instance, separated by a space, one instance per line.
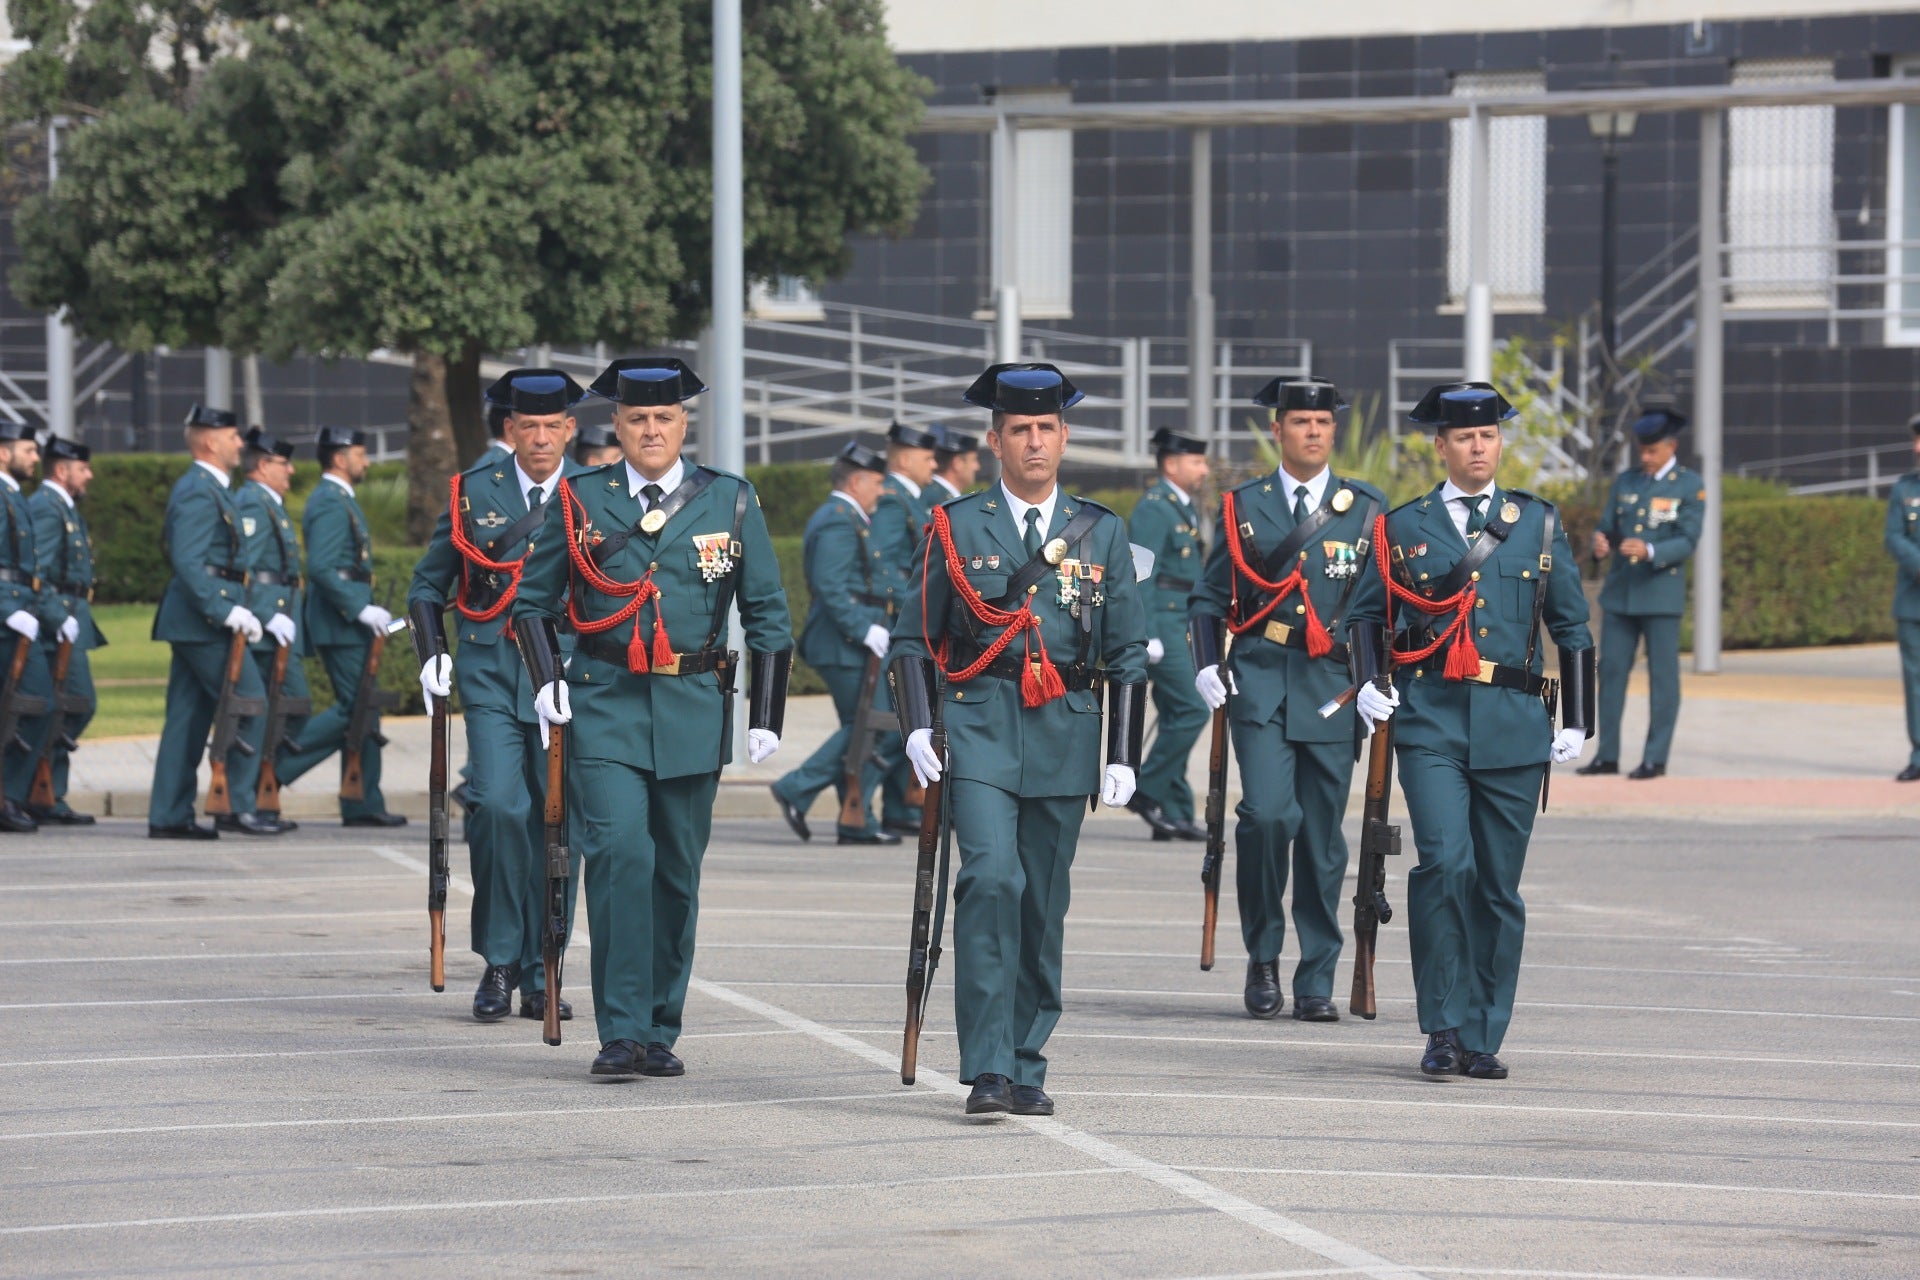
x=1418 y=672
x=1479 y=604
x=1299 y=608
x=1476 y=575
x=651 y=567
x=1636 y=528
x=1526 y=573
x=1483 y=631
x=959 y=694
x=1423 y=577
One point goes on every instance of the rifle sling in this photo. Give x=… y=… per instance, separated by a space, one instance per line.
x=1029 y=574
x=686 y=491
x=1492 y=534
x=1278 y=562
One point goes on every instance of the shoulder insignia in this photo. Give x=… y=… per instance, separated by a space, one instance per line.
x=246 y=526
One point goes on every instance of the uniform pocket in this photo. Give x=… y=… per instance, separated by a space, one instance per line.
x=1519 y=579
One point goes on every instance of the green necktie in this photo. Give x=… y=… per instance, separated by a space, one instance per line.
x=652 y=493
x=1033 y=531
x=1476 y=515
x=533 y=498
x=1300 y=504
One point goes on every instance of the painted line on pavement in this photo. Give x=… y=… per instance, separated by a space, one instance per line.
x=1627 y=1183
x=248 y=917
x=126 y=1004
x=189 y=956
x=348 y=1053
x=241 y=880
x=1515 y=1272
x=1257 y=1216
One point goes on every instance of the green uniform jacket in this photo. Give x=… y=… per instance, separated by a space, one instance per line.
x=844 y=575
x=64 y=549
x=1167 y=525
x=898 y=522
x=1340 y=581
x=201 y=530
x=674 y=726
x=339 y=567
x=1497 y=728
x=994 y=737
x=1903 y=544
x=19 y=555
x=485 y=661
x=1668 y=514
x=267 y=530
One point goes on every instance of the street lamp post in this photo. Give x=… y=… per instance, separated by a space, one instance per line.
x=1610 y=128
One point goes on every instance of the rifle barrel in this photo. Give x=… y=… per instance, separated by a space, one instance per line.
x=558 y=859
x=1216 y=836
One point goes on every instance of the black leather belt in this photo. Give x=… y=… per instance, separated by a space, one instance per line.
x=73 y=589
x=1292 y=637
x=1011 y=665
x=231 y=575
x=1167 y=583
x=354 y=575
x=875 y=599
x=1491 y=673
x=25 y=579
x=614 y=652
x=268 y=578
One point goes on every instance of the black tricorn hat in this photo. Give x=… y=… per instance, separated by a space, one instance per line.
x=339 y=438
x=260 y=442
x=1462 y=404
x=1023 y=388
x=201 y=416
x=1658 y=420
x=61 y=449
x=1308 y=393
x=1166 y=440
x=648 y=380
x=913 y=437
x=11 y=431
x=536 y=391
x=855 y=454
x=953 y=443
x=595 y=436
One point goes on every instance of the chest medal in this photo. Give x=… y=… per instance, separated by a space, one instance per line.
x=717 y=554
x=1663 y=510
x=1342 y=560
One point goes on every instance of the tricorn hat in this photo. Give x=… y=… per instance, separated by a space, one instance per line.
x=536 y=391
x=1167 y=441
x=912 y=437
x=201 y=416
x=648 y=380
x=953 y=442
x=1658 y=420
x=339 y=438
x=1023 y=388
x=259 y=441
x=1308 y=393
x=61 y=449
x=1461 y=404
x=596 y=435
x=858 y=455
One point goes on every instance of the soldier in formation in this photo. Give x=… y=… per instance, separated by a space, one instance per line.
x=63 y=546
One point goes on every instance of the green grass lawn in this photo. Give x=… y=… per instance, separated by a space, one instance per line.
x=130 y=674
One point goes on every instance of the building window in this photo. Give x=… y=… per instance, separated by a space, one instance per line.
x=1780 y=226
x=1043 y=195
x=1517 y=172
x=1903 y=216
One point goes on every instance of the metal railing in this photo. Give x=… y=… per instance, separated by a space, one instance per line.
x=1864 y=469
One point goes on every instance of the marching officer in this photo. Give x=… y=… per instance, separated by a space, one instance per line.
x=898 y=523
x=341 y=619
x=64 y=548
x=1025 y=604
x=25 y=612
x=206 y=600
x=1167 y=523
x=1903 y=544
x=1471 y=570
x=956 y=466
x=1647 y=532
x=847 y=621
x=495 y=512
x=273 y=593
x=1286 y=571
x=643 y=558
x=595 y=446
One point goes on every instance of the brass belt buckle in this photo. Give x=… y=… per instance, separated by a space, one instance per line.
x=1278 y=632
x=1486 y=672
x=670 y=668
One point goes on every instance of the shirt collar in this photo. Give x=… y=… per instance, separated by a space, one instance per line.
x=948 y=485
x=1667 y=470
x=907 y=484
x=528 y=484
x=1316 y=487
x=339 y=480
x=1019 y=508
x=224 y=479
x=58 y=488
x=668 y=482
x=848 y=498
x=278 y=501
x=1180 y=493
x=1449 y=491
x=9 y=481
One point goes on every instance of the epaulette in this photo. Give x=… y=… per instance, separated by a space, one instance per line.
x=1411 y=502
x=1361 y=486
x=1531 y=497
x=1089 y=502
x=1265 y=477
x=1152 y=495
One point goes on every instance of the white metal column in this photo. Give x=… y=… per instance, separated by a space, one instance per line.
x=1006 y=243
x=218 y=391
x=1200 y=304
x=723 y=442
x=1709 y=373
x=59 y=332
x=1479 y=300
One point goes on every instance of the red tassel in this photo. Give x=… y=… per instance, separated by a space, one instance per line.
x=1319 y=643
x=662 y=648
x=1041 y=683
x=636 y=651
x=1463 y=658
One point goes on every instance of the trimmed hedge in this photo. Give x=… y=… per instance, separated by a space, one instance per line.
x=1805 y=571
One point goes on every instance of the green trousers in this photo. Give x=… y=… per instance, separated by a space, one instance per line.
x=1180 y=718
x=323 y=735
x=1620 y=635
x=193 y=691
x=1465 y=917
x=243 y=770
x=1009 y=923
x=1909 y=633
x=1294 y=795
x=642 y=838
x=79 y=685
x=826 y=767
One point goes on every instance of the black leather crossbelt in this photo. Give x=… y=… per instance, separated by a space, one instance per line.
x=1011 y=665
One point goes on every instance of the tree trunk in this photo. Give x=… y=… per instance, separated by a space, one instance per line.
x=467 y=413
x=430 y=446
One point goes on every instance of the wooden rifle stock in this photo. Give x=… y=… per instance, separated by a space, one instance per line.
x=1216 y=836
x=1378 y=840
x=41 y=796
x=554 y=930
x=923 y=946
x=353 y=784
x=853 y=804
x=267 y=795
x=437 y=866
x=219 y=798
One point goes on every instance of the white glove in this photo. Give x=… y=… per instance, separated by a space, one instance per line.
x=1119 y=785
x=923 y=758
x=1213 y=690
x=761 y=743
x=551 y=705
x=878 y=641
x=25 y=623
x=239 y=619
x=1374 y=705
x=1155 y=651
x=70 y=629
x=281 y=628
x=1568 y=744
x=374 y=618
x=436 y=678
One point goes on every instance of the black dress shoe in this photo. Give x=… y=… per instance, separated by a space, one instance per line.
x=1156 y=818
x=659 y=1061
x=868 y=837
x=1031 y=1100
x=534 y=1005
x=618 y=1058
x=1263 y=988
x=185 y=831
x=1444 y=1056
x=1315 y=1009
x=14 y=818
x=273 y=815
x=1646 y=771
x=247 y=824
x=61 y=817
x=375 y=820
x=1909 y=774
x=992 y=1095
x=796 y=820
x=1188 y=829
x=1484 y=1066
x=1598 y=766
x=494 y=999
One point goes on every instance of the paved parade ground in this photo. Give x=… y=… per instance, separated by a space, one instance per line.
x=226 y=1059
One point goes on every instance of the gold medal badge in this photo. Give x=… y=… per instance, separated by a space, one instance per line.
x=1343 y=501
x=1055 y=551
x=654 y=521
x=1509 y=512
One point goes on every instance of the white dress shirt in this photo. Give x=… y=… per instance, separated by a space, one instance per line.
x=1019 y=508
x=849 y=499
x=668 y=482
x=1316 y=487
x=911 y=487
x=942 y=482
x=528 y=484
x=55 y=486
x=328 y=475
x=1457 y=511
x=224 y=479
